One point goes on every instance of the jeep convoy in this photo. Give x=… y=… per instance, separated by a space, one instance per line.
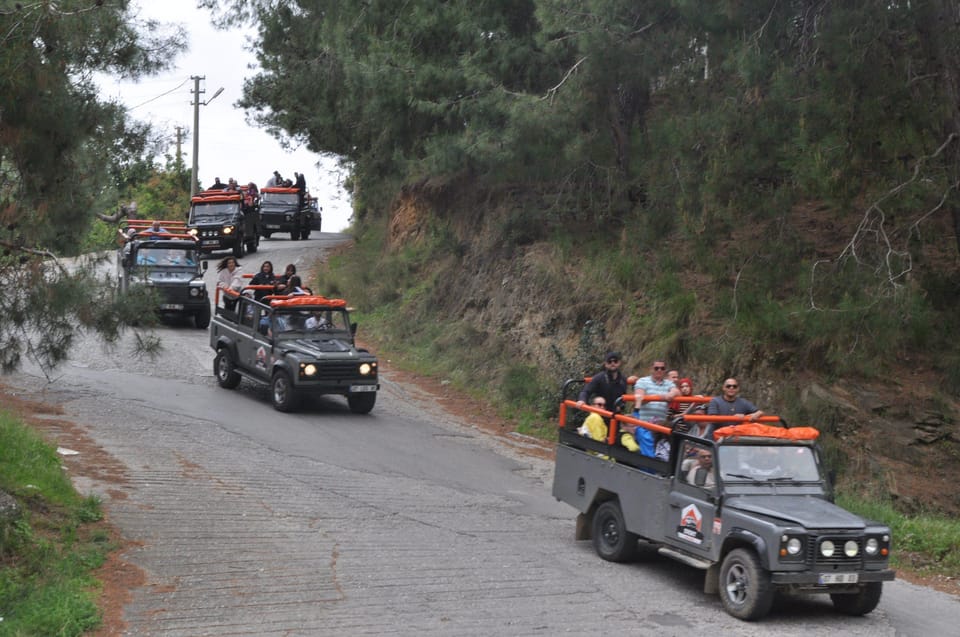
x=751 y=506
x=297 y=345
x=225 y=220
x=167 y=261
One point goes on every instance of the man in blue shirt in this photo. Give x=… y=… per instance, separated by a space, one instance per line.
x=656 y=384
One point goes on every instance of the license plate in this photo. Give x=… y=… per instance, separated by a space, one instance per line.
x=171 y=306
x=211 y=242
x=272 y=226
x=838 y=578
x=359 y=388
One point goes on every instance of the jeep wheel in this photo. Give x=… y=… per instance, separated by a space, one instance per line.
x=362 y=403
x=202 y=318
x=265 y=234
x=253 y=244
x=282 y=392
x=227 y=376
x=859 y=603
x=745 y=588
x=294 y=235
x=305 y=234
x=611 y=539
x=238 y=247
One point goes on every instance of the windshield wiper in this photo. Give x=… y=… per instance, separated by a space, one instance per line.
x=740 y=475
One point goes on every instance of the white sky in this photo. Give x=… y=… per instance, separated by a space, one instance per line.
x=229 y=147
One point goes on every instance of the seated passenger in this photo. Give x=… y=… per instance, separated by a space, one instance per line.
x=594 y=426
x=316 y=321
x=699 y=469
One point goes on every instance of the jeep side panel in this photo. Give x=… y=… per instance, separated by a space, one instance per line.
x=583 y=481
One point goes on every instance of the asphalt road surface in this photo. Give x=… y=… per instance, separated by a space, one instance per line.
x=406 y=521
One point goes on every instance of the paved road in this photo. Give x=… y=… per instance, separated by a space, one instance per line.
x=404 y=522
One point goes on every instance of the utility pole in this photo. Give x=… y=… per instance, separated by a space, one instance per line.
x=196 y=126
x=179 y=159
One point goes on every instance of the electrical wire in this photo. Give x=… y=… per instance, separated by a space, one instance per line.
x=159 y=96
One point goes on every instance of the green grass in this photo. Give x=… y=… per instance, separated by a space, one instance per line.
x=926 y=544
x=48 y=554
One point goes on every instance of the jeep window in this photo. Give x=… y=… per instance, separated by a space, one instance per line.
x=214 y=212
x=279 y=199
x=696 y=465
x=752 y=463
x=311 y=321
x=166 y=257
x=248 y=312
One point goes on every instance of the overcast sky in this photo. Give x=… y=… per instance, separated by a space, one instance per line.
x=228 y=146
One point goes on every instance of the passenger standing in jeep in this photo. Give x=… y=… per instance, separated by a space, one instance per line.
x=609 y=383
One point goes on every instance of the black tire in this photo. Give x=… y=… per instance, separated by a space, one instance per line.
x=362 y=403
x=859 y=603
x=611 y=539
x=253 y=244
x=745 y=588
x=305 y=234
x=238 y=247
x=265 y=234
x=202 y=318
x=223 y=369
x=294 y=235
x=282 y=392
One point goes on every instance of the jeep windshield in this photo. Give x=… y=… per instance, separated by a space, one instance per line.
x=167 y=257
x=311 y=322
x=214 y=212
x=767 y=463
x=279 y=200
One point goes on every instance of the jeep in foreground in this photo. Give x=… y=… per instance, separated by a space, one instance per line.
x=297 y=345
x=167 y=262
x=751 y=507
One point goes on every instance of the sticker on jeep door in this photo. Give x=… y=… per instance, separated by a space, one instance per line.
x=261 y=358
x=691 y=522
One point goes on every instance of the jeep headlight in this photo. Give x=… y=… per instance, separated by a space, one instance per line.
x=790 y=545
x=827 y=548
x=871 y=547
x=850 y=548
x=365 y=369
x=309 y=369
x=227 y=229
x=194 y=292
x=794 y=546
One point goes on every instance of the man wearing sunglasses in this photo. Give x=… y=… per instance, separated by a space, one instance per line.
x=609 y=384
x=656 y=384
x=729 y=403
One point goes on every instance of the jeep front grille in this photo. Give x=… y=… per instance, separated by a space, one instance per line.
x=347 y=370
x=839 y=558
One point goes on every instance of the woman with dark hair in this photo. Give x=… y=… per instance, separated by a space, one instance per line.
x=288 y=272
x=264 y=277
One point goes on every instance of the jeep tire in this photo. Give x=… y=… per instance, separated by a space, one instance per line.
x=202 y=318
x=238 y=247
x=362 y=403
x=282 y=393
x=611 y=539
x=253 y=244
x=745 y=588
x=223 y=369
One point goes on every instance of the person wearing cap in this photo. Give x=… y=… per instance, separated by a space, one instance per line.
x=609 y=383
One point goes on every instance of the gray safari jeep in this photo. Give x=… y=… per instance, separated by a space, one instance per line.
x=298 y=345
x=752 y=507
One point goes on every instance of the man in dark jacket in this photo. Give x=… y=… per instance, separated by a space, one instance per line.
x=609 y=383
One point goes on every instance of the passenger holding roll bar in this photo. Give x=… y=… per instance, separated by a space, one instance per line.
x=730 y=403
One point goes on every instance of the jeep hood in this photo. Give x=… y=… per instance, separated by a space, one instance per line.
x=808 y=511
x=319 y=347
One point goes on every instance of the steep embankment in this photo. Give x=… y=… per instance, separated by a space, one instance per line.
x=501 y=294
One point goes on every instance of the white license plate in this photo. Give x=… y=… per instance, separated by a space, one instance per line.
x=171 y=306
x=359 y=388
x=211 y=242
x=272 y=226
x=838 y=578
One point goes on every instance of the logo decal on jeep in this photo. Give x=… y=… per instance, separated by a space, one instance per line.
x=691 y=521
x=261 y=358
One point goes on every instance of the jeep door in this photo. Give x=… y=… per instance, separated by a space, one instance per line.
x=691 y=523
x=253 y=345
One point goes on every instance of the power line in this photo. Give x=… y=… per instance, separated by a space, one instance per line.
x=159 y=96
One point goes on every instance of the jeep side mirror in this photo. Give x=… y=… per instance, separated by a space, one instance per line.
x=204 y=265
